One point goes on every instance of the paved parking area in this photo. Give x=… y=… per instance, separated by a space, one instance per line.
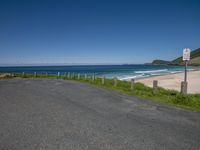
x=53 y=114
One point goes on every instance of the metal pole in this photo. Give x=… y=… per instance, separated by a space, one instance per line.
x=185 y=78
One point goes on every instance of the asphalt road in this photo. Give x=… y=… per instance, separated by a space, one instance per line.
x=53 y=114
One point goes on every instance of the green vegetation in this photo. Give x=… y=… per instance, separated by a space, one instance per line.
x=195 y=59
x=171 y=97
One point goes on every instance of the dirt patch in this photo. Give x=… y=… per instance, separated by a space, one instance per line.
x=6 y=75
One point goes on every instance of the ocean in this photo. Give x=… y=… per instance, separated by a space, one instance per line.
x=122 y=72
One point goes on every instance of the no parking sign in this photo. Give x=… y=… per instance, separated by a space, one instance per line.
x=186 y=54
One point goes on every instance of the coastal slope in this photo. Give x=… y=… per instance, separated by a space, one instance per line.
x=195 y=60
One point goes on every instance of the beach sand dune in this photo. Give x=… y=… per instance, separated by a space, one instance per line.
x=173 y=81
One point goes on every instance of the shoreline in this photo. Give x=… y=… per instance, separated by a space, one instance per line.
x=173 y=81
x=168 y=81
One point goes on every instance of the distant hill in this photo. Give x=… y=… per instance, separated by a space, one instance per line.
x=194 y=59
x=161 y=62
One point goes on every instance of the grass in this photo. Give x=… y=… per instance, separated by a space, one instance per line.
x=194 y=61
x=171 y=97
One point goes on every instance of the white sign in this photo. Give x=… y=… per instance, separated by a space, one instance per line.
x=186 y=54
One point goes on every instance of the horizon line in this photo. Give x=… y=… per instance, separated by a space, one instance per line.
x=67 y=64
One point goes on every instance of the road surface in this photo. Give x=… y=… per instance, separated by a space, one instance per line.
x=53 y=114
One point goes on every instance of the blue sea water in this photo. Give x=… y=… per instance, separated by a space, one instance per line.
x=122 y=72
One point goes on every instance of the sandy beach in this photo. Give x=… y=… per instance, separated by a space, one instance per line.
x=173 y=81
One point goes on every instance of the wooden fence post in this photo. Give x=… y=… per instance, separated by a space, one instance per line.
x=155 y=86
x=65 y=74
x=58 y=74
x=23 y=74
x=35 y=74
x=46 y=74
x=93 y=78
x=85 y=76
x=103 y=80
x=115 y=82
x=184 y=87
x=132 y=83
x=79 y=76
x=68 y=75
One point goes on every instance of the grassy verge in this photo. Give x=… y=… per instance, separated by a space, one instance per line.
x=171 y=97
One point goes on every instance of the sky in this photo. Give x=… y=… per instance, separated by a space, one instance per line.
x=34 y=32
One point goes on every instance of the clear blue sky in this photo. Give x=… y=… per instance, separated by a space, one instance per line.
x=96 y=31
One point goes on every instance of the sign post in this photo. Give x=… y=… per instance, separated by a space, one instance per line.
x=185 y=78
x=186 y=58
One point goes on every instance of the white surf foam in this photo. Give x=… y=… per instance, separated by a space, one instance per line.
x=152 y=71
x=133 y=77
x=173 y=72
